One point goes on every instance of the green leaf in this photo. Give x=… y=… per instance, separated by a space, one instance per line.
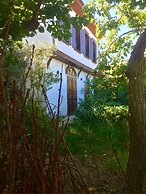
x=41 y=29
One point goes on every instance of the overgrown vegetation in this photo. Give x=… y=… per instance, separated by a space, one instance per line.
x=34 y=155
x=35 y=145
x=101 y=124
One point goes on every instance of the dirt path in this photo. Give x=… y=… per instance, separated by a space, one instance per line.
x=98 y=179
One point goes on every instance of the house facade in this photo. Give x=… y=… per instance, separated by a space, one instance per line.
x=75 y=59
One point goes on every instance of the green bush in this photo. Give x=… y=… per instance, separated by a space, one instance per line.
x=102 y=124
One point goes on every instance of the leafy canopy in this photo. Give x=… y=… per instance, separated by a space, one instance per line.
x=119 y=22
x=20 y=18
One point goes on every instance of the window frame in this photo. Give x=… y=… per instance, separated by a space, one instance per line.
x=73 y=71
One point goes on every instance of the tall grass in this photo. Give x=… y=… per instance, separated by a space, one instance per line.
x=101 y=129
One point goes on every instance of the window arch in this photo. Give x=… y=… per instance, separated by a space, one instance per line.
x=71 y=71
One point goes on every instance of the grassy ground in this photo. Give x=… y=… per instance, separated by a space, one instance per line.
x=101 y=153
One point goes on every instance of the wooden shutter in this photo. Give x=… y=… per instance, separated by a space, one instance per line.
x=73 y=37
x=70 y=30
x=82 y=41
x=87 y=44
x=94 y=52
x=91 y=48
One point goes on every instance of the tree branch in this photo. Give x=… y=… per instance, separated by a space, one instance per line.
x=128 y=32
x=32 y=24
x=137 y=55
x=7 y=26
x=139 y=48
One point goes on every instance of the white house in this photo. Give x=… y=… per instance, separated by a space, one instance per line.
x=75 y=59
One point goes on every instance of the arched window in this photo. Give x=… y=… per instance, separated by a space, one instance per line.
x=71 y=71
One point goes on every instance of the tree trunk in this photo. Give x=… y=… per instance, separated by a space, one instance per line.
x=136 y=166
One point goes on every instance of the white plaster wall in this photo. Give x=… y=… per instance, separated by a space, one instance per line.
x=69 y=50
x=80 y=86
x=52 y=94
x=41 y=37
x=81 y=81
x=65 y=48
x=57 y=65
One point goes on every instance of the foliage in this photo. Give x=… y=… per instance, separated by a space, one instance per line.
x=118 y=24
x=105 y=106
x=17 y=66
x=31 y=136
x=30 y=157
x=40 y=111
x=100 y=113
x=21 y=117
x=117 y=28
x=35 y=138
x=86 y=139
x=15 y=62
x=112 y=86
x=24 y=18
x=39 y=73
x=106 y=99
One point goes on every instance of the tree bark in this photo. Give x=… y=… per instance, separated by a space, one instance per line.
x=135 y=174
